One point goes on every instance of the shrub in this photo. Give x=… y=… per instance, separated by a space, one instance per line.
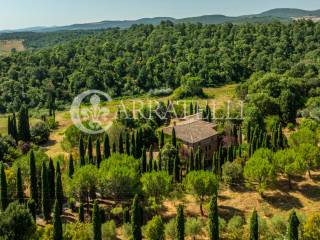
x=155 y=229
x=193 y=227
x=16 y=222
x=278 y=227
x=312 y=228
x=77 y=231
x=171 y=230
x=109 y=231
x=160 y=92
x=235 y=228
x=290 y=126
x=232 y=172
x=40 y=132
x=127 y=230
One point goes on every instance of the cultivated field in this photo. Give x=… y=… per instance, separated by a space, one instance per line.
x=6 y=46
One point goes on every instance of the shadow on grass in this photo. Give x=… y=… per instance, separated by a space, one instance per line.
x=227 y=212
x=310 y=191
x=283 y=201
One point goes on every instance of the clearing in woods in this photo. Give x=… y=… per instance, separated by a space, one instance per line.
x=6 y=46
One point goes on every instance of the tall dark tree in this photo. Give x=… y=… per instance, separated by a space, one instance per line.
x=133 y=145
x=81 y=213
x=126 y=215
x=58 y=169
x=121 y=150
x=96 y=222
x=4 y=201
x=31 y=204
x=254 y=226
x=98 y=153
x=106 y=146
x=176 y=169
x=180 y=221
x=24 y=126
x=191 y=109
x=57 y=223
x=161 y=144
x=293 y=229
x=71 y=166
x=150 y=158
x=174 y=138
x=114 y=148
x=144 y=160
x=82 y=152
x=45 y=193
x=59 y=192
x=19 y=187
x=51 y=179
x=90 y=150
x=136 y=219
x=213 y=219
x=160 y=161
x=127 y=143
x=33 y=177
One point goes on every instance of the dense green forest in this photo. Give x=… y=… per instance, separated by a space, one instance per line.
x=144 y=57
x=36 y=40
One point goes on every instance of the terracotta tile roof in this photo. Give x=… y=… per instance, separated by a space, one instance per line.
x=193 y=131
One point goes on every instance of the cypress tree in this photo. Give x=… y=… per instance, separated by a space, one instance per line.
x=151 y=158
x=90 y=150
x=136 y=219
x=81 y=213
x=176 y=169
x=280 y=137
x=126 y=215
x=133 y=145
x=98 y=153
x=57 y=224
x=191 y=159
x=180 y=221
x=114 y=148
x=71 y=166
x=33 y=178
x=191 y=108
x=213 y=218
x=45 y=194
x=31 y=204
x=19 y=187
x=214 y=163
x=51 y=179
x=174 y=138
x=161 y=144
x=144 y=160
x=24 y=126
x=59 y=192
x=9 y=126
x=159 y=161
x=96 y=222
x=127 y=143
x=293 y=229
x=58 y=170
x=3 y=189
x=121 y=150
x=106 y=147
x=14 y=127
x=82 y=152
x=254 y=226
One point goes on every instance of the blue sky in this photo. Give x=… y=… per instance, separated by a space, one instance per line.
x=28 y=13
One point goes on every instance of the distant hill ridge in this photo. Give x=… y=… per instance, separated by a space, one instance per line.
x=280 y=14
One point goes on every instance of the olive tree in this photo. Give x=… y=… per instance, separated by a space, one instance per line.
x=202 y=184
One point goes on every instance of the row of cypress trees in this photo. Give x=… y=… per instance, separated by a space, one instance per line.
x=20 y=130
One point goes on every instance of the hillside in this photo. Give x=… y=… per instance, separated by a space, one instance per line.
x=134 y=61
x=281 y=14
